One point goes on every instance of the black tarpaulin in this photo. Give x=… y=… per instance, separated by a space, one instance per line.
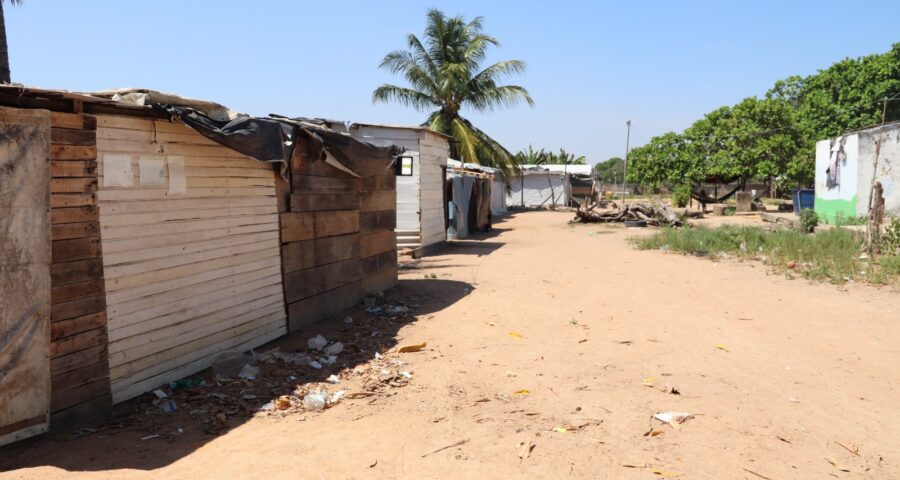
x=274 y=139
x=329 y=145
x=263 y=139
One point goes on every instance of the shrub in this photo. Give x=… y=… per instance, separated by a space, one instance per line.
x=889 y=242
x=681 y=195
x=809 y=219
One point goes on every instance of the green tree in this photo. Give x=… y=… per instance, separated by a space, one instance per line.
x=774 y=137
x=664 y=160
x=4 y=46
x=611 y=169
x=445 y=76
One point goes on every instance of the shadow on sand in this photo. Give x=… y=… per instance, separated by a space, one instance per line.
x=140 y=437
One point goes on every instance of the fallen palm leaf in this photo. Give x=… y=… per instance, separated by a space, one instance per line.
x=516 y=335
x=723 y=347
x=522 y=392
x=418 y=347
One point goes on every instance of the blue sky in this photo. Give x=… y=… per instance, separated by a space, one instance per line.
x=591 y=65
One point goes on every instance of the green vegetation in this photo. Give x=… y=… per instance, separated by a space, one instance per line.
x=809 y=220
x=889 y=241
x=774 y=137
x=444 y=75
x=832 y=255
x=681 y=195
x=840 y=220
x=611 y=170
x=530 y=156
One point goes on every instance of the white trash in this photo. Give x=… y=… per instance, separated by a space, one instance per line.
x=333 y=379
x=673 y=417
x=334 y=349
x=249 y=372
x=315 y=401
x=316 y=343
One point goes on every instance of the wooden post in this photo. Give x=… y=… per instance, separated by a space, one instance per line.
x=871 y=227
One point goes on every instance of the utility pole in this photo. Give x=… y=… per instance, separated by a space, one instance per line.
x=625 y=172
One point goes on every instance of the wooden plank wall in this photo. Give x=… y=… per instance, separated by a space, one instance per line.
x=187 y=274
x=337 y=235
x=80 y=387
x=25 y=256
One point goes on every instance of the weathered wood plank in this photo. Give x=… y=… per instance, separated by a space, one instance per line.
x=79 y=359
x=73 y=120
x=76 y=378
x=63 y=200
x=317 y=183
x=310 y=202
x=297 y=226
x=68 y=231
x=72 y=152
x=373 y=221
x=338 y=222
x=77 y=308
x=80 y=394
x=73 y=185
x=378 y=182
x=68 y=136
x=75 y=249
x=377 y=200
x=376 y=242
x=74 y=291
x=376 y=263
x=73 y=168
x=72 y=326
x=310 y=253
x=309 y=282
x=78 y=342
x=74 y=215
x=313 y=309
x=71 y=272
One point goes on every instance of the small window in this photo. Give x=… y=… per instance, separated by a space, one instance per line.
x=405 y=167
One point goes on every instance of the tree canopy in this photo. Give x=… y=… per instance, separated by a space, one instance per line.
x=610 y=170
x=774 y=137
x=444 y=73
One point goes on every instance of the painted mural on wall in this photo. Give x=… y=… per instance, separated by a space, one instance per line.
x=837 y=172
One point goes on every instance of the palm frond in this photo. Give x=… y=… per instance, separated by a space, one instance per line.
x=406 y=96
x=491 y=98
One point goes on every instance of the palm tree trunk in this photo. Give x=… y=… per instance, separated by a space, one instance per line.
x=4 y=49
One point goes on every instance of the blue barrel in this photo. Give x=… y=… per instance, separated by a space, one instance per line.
x=804 y=199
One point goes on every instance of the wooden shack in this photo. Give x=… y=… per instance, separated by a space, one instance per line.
x=167 y=248
x=421 y=202
x=337 y=234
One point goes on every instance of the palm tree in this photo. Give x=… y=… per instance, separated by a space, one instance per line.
x=444 y=74
x=530 y=156
x=565 y=158
x=4 y=48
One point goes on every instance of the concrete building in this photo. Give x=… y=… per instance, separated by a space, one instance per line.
x=844 y=170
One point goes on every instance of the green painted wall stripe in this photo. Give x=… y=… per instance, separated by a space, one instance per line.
x=829 y=209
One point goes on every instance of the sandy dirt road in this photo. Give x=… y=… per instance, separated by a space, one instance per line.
x=786 y=377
